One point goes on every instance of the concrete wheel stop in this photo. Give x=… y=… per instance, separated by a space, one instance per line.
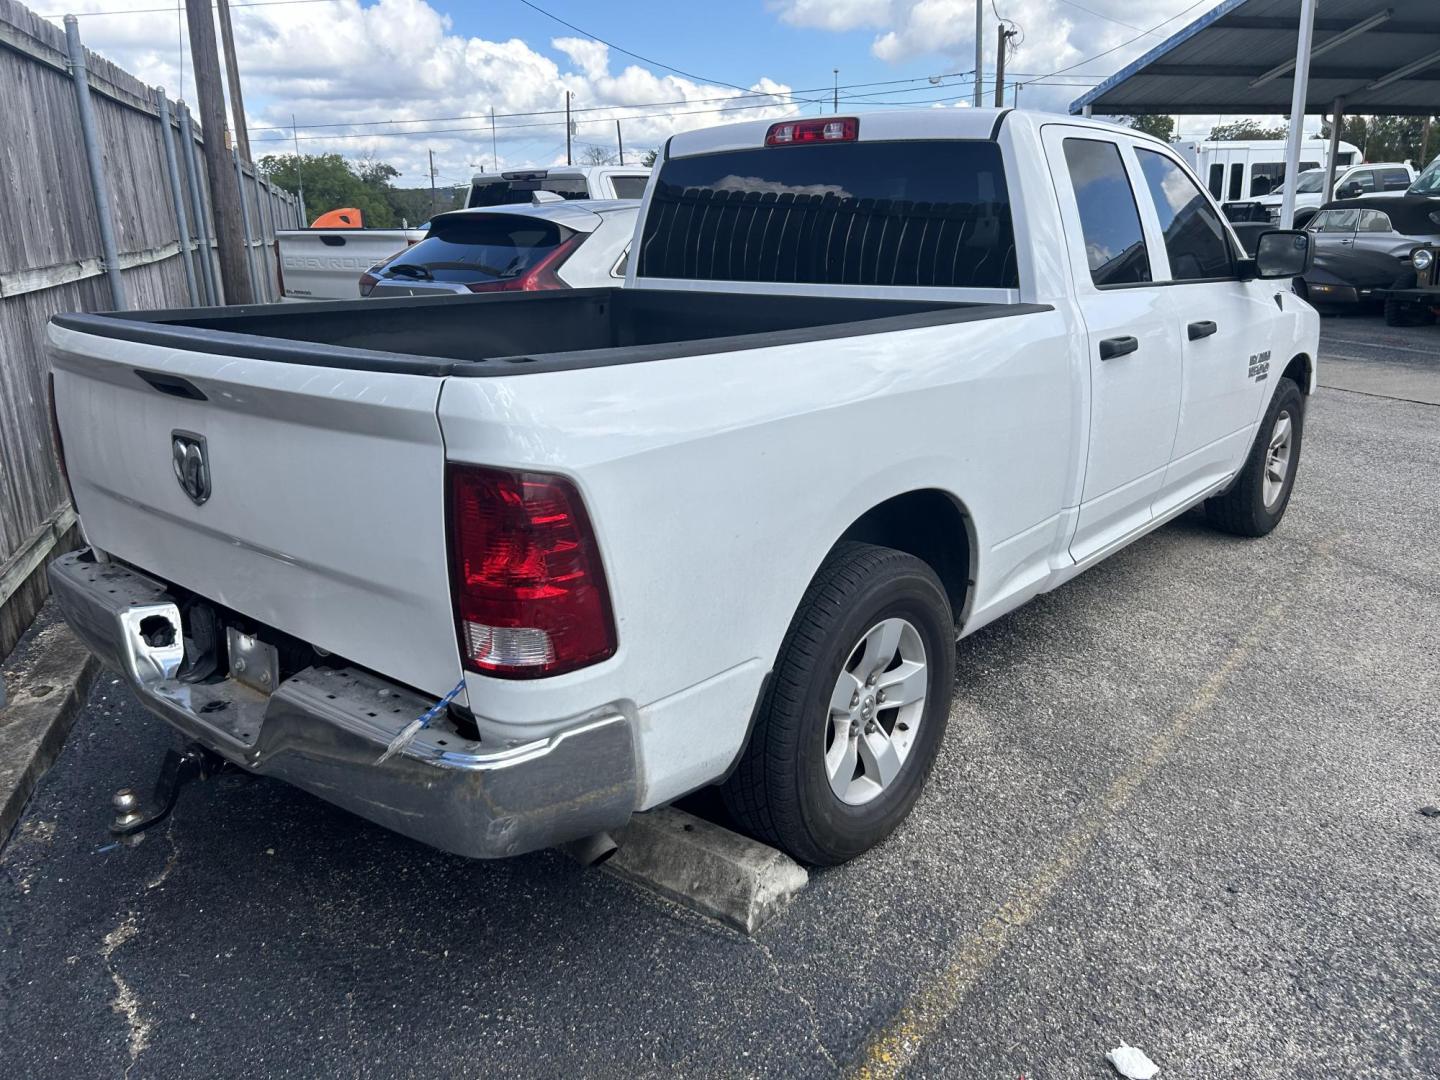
x=706 y=868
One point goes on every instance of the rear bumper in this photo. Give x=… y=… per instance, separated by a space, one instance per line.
x=324 y=727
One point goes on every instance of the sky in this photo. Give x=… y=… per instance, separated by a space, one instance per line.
x=393 y=80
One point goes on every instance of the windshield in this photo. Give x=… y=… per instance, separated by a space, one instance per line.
x=1310 y=182
x=469 y=250
x=1428 y=182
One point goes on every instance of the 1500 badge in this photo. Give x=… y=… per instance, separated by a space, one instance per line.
x=1259 y=366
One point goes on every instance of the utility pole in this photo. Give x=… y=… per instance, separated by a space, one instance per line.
x=1425 y=143
x=620 y=142
x=835 y=72
x=232 y=74
x=432 y=183
x=224 y=195
x=979 y=51
x=568 y=160
x=1005 y=36
x=299 y=172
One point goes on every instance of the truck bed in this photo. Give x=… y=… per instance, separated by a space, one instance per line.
x=521 y=333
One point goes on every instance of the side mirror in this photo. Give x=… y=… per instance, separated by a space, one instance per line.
x=1282 y=253
x=1352 y=190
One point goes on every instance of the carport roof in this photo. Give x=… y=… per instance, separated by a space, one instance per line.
x=1386 y=62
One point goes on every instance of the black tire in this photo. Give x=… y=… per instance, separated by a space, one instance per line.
x=1399 y=313
x=1242 y=510
x=780 y=792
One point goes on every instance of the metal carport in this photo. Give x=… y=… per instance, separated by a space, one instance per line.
x=1375 y=57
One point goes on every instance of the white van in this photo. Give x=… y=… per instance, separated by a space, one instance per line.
x=1245 y=169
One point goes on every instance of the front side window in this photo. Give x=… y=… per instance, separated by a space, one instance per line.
x=1194 y=237
x=1365 y=178
x=1237 y=179
x=931 y=213
x=1394 y=179
x=1334 y=221
x=1109 y=218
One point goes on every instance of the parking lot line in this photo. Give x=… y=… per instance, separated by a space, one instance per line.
x=892 y=1048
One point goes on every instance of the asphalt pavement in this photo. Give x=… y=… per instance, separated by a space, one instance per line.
x=1178 y=806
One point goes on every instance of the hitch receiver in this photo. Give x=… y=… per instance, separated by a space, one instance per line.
x=177 y=768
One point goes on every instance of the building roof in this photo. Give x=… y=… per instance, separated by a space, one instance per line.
x=1383 y=58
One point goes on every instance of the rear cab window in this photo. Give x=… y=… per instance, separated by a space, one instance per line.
x=629 y=187
x=470 y=249
x=924 y=213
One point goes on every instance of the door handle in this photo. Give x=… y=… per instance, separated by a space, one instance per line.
x=1112 y=347
x=1197 y=330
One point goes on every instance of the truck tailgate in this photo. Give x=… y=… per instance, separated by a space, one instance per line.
x=325 y=516
x=320 y=264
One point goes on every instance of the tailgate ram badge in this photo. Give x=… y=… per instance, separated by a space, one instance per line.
x=192 y=464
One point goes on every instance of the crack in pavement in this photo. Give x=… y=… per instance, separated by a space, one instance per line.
x=125 y=1002
x=809 y=1005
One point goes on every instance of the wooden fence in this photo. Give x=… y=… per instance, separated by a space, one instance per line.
x=50 y=260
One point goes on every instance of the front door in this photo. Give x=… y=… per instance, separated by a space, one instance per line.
x=1131 y=336
x=1224 y=326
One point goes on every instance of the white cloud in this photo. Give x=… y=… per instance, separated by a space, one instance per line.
x=399 y=61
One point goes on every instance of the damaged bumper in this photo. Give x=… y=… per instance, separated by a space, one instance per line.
x=323 y=728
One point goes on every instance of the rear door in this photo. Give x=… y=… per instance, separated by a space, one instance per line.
x=323 y=515
x=1224 y=325
x=1132 y=339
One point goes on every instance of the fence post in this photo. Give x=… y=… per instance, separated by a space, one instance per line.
x=167 y=136
x=100 y=188
x=271 y=246
x=197 y=206
x=245 y=218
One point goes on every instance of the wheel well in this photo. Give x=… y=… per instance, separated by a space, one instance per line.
x=931 y=525
x=1299 y=371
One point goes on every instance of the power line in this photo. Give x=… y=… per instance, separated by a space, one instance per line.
x=627 y=52
x=775 y=98
x=167 y=10
x=1127 y=41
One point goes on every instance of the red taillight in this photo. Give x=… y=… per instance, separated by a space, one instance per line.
x=368 y=281
x=794 y=132
x=530 y=593
x=540 y=276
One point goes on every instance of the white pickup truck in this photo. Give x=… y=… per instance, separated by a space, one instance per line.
x=326 y=264
x=874 y=383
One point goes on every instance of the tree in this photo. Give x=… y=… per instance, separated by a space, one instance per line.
x=648 y=158
x=1388 y=138
x=1161 y=126
x=332 y=182
x=596 y=155
x=1247 y=129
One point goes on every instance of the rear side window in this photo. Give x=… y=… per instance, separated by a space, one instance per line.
x=927 y=214
x=629 y=187
x=1109 y=219
x=518 y=192
x=1194 y=237
x=471 y=249
x=1237 y=179
x=1374 y=221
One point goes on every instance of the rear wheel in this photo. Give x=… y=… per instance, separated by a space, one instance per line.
x=1399 y=313
x=855 y=711
x=1257 y=500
